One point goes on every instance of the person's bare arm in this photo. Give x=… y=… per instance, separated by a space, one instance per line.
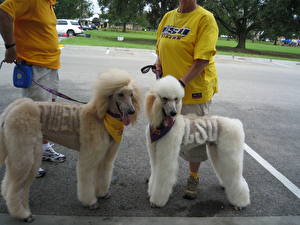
x=6 y=30
x=196 y=69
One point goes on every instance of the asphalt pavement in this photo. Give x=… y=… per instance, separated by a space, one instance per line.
x=262 y=93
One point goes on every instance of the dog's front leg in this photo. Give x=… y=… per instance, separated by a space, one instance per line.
x=104 y=172
x=164 y=174
x=86 y=172
x=151 y=152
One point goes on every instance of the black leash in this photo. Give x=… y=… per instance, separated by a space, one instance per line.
x=146 y=69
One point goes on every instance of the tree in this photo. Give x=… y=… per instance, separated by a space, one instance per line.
x=239 y=17
x=157 y=9
x=121 y=11
x=71 y=9
x=281 y=18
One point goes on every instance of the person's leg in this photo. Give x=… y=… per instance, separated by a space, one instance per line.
x=49 y=78
x=196 y=155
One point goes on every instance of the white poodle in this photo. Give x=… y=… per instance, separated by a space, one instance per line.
x=168 y=132
x=94 y=129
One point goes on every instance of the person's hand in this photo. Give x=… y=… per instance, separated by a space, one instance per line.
x=10 y=55
x=158 y=69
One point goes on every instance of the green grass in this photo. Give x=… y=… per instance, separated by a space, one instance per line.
x=261 y=46
x=146 y=40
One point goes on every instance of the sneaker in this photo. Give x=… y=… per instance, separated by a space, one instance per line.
x=41 y=172
x=50 y=155
x=192 y=188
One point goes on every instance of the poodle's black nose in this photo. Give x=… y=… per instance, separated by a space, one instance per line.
x=173 y=113
x=131 y=111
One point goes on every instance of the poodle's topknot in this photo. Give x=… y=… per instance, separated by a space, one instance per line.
x=169 y=87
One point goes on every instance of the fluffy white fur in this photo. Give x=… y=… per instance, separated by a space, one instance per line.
x=223 y=136
x=80 y=127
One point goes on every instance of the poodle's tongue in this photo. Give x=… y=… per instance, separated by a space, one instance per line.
x=125 y=119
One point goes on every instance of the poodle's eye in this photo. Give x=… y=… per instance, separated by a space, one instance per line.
x=165 y=99
x=131 y=95
x=176 y=99
x=121 y=95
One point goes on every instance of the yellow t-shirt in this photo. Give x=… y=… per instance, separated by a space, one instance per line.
x=35 y=31
x=183 y=38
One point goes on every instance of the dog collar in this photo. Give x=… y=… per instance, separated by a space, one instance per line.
x=162 y=130
x=115 y=115
x=114 y=126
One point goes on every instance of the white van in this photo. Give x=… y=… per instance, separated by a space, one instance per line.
x=70 y=27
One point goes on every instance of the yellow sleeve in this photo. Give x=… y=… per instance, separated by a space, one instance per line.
x=159 y=31
x=205 y=46
x=15 y=8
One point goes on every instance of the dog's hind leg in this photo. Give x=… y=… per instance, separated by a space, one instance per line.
x=230 y=171
x=228 y=163
x=18 y=180
x=213 y=158
x=104 y=172
x=31 y=176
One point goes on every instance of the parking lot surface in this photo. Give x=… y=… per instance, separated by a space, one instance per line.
x=263 y=94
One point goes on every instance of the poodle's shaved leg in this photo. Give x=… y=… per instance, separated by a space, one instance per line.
x=104 y=173
x=229 y=165
x=165 y=176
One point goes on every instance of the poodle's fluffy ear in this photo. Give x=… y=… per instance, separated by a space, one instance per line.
x=136 y=102
x=153 y=108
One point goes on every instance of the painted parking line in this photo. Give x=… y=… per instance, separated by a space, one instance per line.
x=286 y=182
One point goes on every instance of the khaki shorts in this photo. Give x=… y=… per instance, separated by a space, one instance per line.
x=197 y=154
x=46 y=77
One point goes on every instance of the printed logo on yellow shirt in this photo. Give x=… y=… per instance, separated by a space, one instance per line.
x=172 y=32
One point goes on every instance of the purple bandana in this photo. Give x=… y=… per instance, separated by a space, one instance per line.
x=162 y=130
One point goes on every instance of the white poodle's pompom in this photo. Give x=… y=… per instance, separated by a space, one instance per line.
x=169 y=87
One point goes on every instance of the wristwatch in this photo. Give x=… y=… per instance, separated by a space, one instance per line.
x=7 y=46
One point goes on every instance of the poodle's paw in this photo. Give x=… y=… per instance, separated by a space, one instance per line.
x=153 y=205
x=238 y=208
x=157 y=203
x=29 y=219
x=94 y=206
x=105 y=196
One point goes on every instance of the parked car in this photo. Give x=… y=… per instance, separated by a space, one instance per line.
x=70 y=27
x=89 y=26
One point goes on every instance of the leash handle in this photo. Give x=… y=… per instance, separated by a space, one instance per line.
x=146 y=69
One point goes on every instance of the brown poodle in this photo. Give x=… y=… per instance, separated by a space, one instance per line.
x=94 y=129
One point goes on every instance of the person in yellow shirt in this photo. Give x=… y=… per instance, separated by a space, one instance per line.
x=28 y=29
x=186 y=45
